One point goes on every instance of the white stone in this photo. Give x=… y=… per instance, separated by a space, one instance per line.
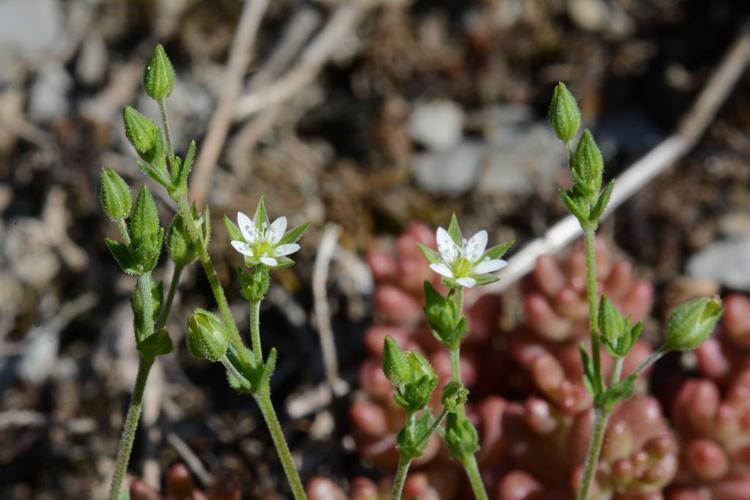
x=438 y=125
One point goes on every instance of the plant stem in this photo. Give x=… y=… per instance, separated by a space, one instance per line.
x=592 y=455
x=255 y=331
x=589 y=234
x=165 y=124
x=272 y=422
x=167 y=306
x=398 y=483
x=653 y=358
x=129 y=429
x=617 y=371
x=147 y=313
x=475 y=478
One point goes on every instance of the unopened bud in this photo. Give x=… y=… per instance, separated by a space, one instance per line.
x=207 y=336
x=692 y=323
x=115 y=195
x=158 y=78
x=563 y=114
x=587 y=166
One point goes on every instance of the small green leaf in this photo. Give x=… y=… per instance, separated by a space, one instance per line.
x=156 y=344
x=180 y=180
x=261 y=216
x=485 y=279
x=431 y=255
x=294 y=234
x=268 y=368
x=122 y=256
x=154 y=173
x=497 y=251
x=601 y=203
x=454 y=231
x=575 y=206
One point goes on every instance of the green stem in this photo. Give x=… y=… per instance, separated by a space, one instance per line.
x=128 y=431
x=167 y=306
x=617 y=371
x=589 y=233
x=165 y=124
x=269 y=415
x=398 y=483
x=653 y=358
x=475 y=479
x=147 y=313
x=255 y=331
x=592 y=455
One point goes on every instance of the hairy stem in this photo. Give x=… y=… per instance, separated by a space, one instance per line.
x=167 y=306
x=589 y=233
x=129 y=429
x=398 y=484
x=272 y=421
x=255 y=331
x=475 y=479
x=617 y=371
x=168 y=137
x=592 y=455
x=147 y=313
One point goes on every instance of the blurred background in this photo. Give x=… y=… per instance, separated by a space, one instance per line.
x=363 y=114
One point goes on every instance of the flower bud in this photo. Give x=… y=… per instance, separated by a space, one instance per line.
x=454 y=394
x=444 y=316
x=563 y=115
x=254 y=283
x=587 y=166
x=145 y=234
x=115 y=195
x=181 y=249
x=395 y=364
x=692 y=323
x=617 y=333
x=412 y=439
x=207 y=336
x=461 y=437
x=158 y=78
x=142 y=133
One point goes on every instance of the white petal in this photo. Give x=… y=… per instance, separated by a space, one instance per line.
x=441 y=269
x=467 y=282
x=287 y=249
x=449 y=251
x=475 y=246
x=242 y=247
x=489 y=266
x=276 y=230
x=247 y=227
x=269 y=261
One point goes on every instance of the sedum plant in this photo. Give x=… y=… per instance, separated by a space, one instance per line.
x=688 y=325
x=213 y=337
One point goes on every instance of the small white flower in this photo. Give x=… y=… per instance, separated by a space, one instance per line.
x=260 y=241
x=464 y=261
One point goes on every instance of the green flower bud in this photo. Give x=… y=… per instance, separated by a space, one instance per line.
x=563 y=115
x=181 y=250
x=412 y=439
x=115 y=195
x=158 y=78
x=444 y=316
x=395 y=363
x=454 y=395
x=142 y=133
x=618 y=334
x=587 y=167
x=145 y=234
x=207 y=336
x=692 y=323
x=461 y=437
x=254 y=283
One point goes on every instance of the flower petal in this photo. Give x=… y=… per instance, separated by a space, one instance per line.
x=276 y=230
x=467 y=282
x=442 y=269
x=242 y=247
x=269 y=261
x=287 y=249
x=474 y=248
x=449 y=251
x=247 y=227
x=489 y=266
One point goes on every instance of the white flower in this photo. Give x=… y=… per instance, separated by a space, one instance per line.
x=260 y=241
x=465 y=261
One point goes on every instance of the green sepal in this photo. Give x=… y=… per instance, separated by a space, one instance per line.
x=431 y=255
x=241 y=385
x=205 y=224
x=563 y=115
x=576 y=205
x=618 y=334
x=485 y=279
x=158 y=77
x=444 y=316
x=268 y=368
x=395 y=363
x=154 y=173
x=157 y=344
x=254 y=283
x=454 y=230
x=122 y=256
x=180 y=247
x=497 y=251
x=461 y=437
x=413 y=437
x=294 y=234
x=181 y=173
x=586 y=166
x=136 y=302
x=261 y=216
x=232 y=230
x=601 y=203
x=115 y=195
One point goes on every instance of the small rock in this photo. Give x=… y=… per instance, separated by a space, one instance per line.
x=519 y=159
x=726 y=261
x=30 y=27
x=47 y=99
x=91 y=66
x=591 y=15
x=438 y=125
x=452 y=171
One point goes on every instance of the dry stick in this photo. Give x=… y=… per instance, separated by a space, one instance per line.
x=688 y=132
x=190 y=458
x=342 y=22
x=326 y=250
x=239 y=58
